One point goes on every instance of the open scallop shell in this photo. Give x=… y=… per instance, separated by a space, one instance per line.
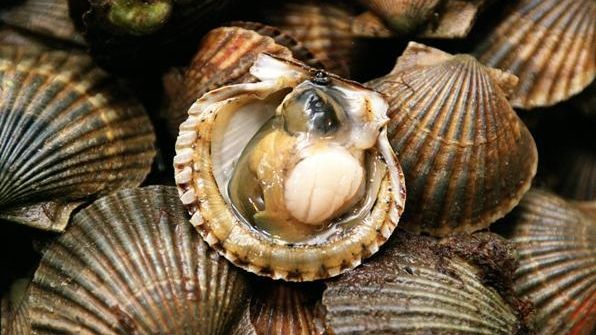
x=14 y=315
x=219 y=127
x=550 y=45
x=49 y=18
x=67 y=133
x=224 y=58
x=468 y=159
x=414 y=286
x=556 y=242
x=132 y=263
x=324 y=27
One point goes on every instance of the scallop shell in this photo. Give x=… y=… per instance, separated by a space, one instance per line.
x=468 y=159
x=67 y=132
x=131 y=263
x=556 y=242
x=224 y=58
x=200 y=168
x=323 y=27
x=14 y=317
x=404 y=16
x=414 y=286
x=550 y=45
x=49 y=18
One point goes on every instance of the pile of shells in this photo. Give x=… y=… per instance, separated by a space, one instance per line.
x=297 y=168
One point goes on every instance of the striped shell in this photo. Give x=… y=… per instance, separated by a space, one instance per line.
x=550 y=45
x=49 y=18
x=219 y=127
x=14 y=318
x=468 y=159
x=282 y=309
x=556 y=242
x=67 y=133
x=224 y=58
x=131 y=263
x=324 y=27
x=414 y=287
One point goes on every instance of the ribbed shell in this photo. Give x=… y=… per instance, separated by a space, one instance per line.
x=557 y=250
x=468 y=159
x=67 y=132
x=403 y=15
x=224 y=58
x=550 y=45
x=285 y=309
x=412 y=288
x=14 y=317
x=132 y=263
x=49 y=18
x=323 y=27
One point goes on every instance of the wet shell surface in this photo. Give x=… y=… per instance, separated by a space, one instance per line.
x=67 y=133
x=279 y=308
x=556 y=242
x=414 y=286
x=255 y=164
x=224 y=58
x=468 y=159
x=14 y=317
x=550 y=45
x=49 y=18
x=132 y=264
x=324 y=27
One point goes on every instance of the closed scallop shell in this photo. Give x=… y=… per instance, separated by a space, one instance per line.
x=324 y=27
x=224 y=58
x=556 y=242
x=67 y=133
x=132 y=263
x=14 y=314
x=550 y=45
x=49 y=18
x=416 y=287
x=467 y=157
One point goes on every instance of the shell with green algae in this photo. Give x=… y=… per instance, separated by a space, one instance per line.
x=467 y=157
x=556 y=243
x=68 y=133
x=132 y=263
x=549 y=45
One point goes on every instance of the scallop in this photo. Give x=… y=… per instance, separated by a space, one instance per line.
x=324 y=27
x=418 y=285
x=279 y=308
x=467 y=157
x=67 y=133
x=14 y=317
x=550 y=45
x=132 y=263
x=405 y=16
x=556 y=242
x=291 y=177
x=49 y=18
x=223 y=58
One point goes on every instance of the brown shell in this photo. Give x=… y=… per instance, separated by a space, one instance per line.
x=550 y=45
x=49 y=18
x=14 y=314
x=324 y=27
x=417 y=285
x=279 y=308
x=224 y=58
x=468 y=159
x=556 y=242
x=405 y=16
x=68 y=133
x=131 y=263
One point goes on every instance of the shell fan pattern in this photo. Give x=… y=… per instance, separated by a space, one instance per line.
x=67 y=133
x=467 y=157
